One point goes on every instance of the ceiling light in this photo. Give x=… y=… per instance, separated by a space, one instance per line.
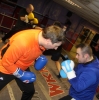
x=72 y=3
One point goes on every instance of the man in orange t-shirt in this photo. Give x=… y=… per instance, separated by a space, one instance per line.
x=21 y=51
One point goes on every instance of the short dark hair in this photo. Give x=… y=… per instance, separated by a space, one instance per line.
x=86 y=49
x=54 y=33
x=57 y=23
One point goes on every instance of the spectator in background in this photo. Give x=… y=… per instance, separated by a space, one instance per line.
x=95 y=50
x=22 y=22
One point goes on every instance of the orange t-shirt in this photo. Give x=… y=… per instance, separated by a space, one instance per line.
x=22 y=52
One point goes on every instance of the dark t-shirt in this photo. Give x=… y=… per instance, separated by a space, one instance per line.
x=22 y=24
x=96 y=53
x=53 y=51
x=55 y=54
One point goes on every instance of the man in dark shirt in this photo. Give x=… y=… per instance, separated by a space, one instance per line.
x=21 y=23
x=95 y=50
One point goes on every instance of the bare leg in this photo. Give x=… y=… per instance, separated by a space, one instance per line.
x=57 y=63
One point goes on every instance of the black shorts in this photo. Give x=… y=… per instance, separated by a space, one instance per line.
x=48 y=52
x=56 y=55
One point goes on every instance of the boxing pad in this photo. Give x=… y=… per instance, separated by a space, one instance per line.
x=63 y=74
x=31 y=16
x=35 y=21
x=25 y=76
x=67 y=67
x=40 y=62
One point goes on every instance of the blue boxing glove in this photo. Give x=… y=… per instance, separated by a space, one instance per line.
x=63 y=74
x=25 y=76
x=67 y=67
x=40 y=62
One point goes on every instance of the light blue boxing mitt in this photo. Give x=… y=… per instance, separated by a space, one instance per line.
x=67 y=68
x=63 y=74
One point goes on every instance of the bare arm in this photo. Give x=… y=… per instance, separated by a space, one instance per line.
x=22 y=18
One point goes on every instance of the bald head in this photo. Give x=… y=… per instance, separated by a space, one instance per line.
x=30 y=8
